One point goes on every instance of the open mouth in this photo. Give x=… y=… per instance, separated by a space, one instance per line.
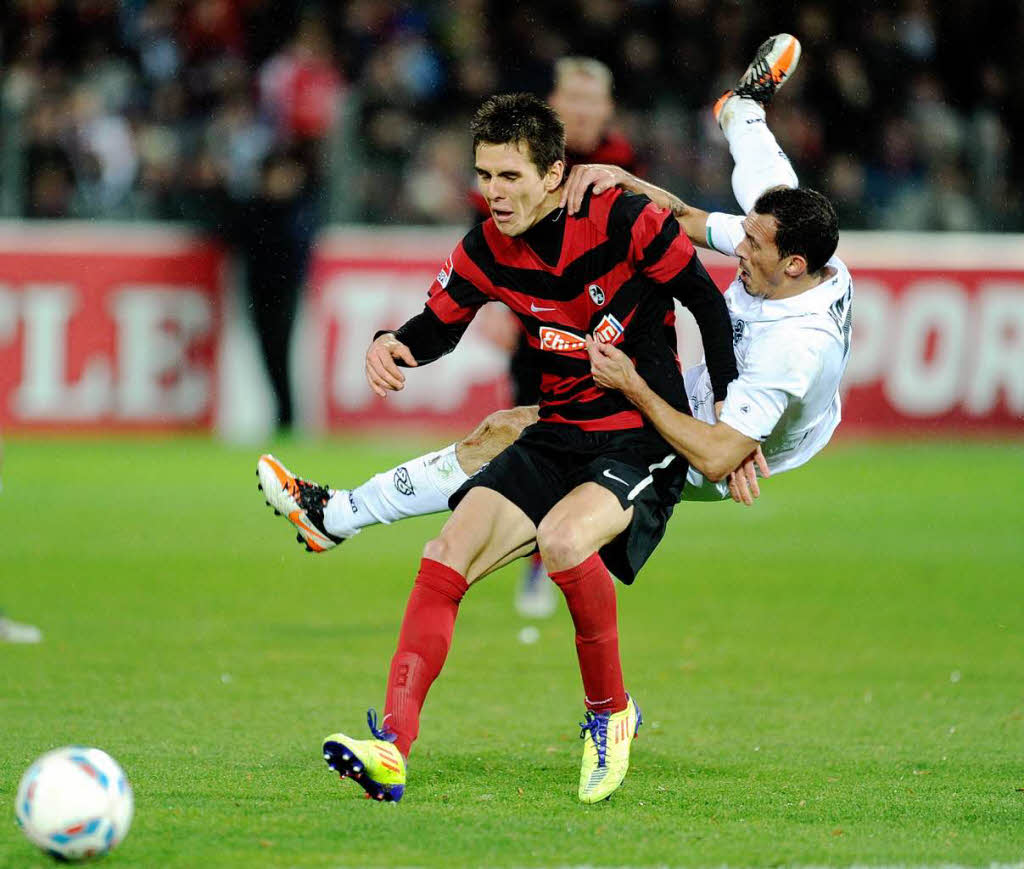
x=501 y=215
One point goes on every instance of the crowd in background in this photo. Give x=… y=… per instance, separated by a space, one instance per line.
x=904 y=113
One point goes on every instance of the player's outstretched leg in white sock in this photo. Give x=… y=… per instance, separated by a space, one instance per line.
x=423 y=485
x=760 y=163
x=415 y=488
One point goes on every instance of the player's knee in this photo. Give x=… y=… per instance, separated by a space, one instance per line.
x=504 y=426
x=516 y=419
x=561 y=544
x=440 y=549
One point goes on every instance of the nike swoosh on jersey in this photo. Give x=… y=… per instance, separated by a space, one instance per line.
x=612 y=476
x=537 y=310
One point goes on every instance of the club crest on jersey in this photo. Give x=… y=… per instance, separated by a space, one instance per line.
x=609 y=330
x=737 y=331
x=445 y=274
x=597 y=294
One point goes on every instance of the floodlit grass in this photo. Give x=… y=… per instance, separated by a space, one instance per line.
x=833 y=676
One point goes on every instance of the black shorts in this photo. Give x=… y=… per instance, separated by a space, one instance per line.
x=549 y=460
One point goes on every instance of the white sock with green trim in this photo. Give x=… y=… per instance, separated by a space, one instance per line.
x=415 y=488
x=760 y=162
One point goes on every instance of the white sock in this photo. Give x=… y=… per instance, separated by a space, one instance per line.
x=760 y=162
x=414 y=488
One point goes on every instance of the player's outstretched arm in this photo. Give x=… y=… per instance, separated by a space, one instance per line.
x=714 y=450
x=602 y=177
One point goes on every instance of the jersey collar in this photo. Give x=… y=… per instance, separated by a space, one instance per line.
x=813 y=301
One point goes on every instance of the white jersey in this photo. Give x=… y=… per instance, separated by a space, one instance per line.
x=790 y=354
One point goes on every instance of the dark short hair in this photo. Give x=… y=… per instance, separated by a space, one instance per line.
x=807 y=223
x=508 y=119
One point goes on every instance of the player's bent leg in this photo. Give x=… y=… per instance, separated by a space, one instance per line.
x=485 y=531
x=496 y=432
x=569 y=538
x=581 y=523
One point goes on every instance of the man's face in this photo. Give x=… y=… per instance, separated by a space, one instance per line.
x=515 y=190
x=761 y=269
x=584 y=104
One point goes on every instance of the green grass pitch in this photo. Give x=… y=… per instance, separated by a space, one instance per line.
x=834 y=676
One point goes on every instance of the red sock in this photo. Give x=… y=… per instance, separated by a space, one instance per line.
x=423 y=645
x=590 y=593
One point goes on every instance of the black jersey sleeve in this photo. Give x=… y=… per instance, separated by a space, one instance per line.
x=693 y=287
x=662 y=252
x=427 y=336
x=453 y=300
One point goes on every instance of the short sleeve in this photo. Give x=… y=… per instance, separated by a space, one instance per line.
x=724 y=232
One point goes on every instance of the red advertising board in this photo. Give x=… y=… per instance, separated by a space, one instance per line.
x=107 y=327
x=120 y=327
x=938 y=338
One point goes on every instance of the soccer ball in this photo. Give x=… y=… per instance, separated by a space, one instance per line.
x=75 y=803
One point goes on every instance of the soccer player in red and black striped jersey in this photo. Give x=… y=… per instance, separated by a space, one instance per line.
x=582 y=96
x=591 y=484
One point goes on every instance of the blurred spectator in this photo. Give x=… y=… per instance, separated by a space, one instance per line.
x=49 y=172
x=435 y=186
x=274 y=232
x=300 y=87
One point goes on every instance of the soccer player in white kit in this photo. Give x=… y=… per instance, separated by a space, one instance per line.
x=791 y=314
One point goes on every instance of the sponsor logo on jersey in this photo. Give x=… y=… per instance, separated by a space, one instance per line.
x=560 y=340
x=609 y=330
x=445 y=274
x=403 y=482
x=737 y=331
x=537 y=310
x=597 y=294
x=352 y=503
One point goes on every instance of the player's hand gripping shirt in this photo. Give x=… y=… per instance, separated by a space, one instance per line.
x=791 y=356
x=610 y=270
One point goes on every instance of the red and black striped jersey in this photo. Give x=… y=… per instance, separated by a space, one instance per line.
x=611 y=270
